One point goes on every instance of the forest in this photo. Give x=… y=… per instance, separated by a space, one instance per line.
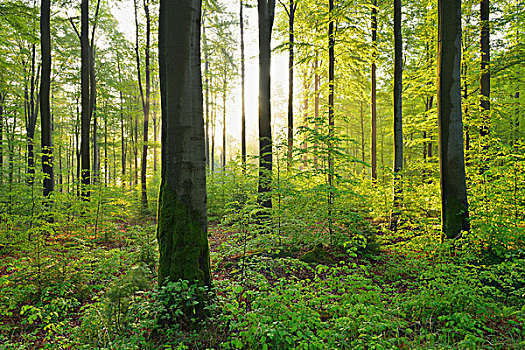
x=233 y=174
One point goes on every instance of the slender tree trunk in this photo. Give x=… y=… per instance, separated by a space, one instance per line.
x=243 y=98
x=454 y=203
x=45 y=110
x=398 y=111
x=485 y=68
x=224 y=88
x=305 y=119
x=373 y=97
x=10 y=150
x=106 y=162
x=316 y=106
x=2 y=101
x=31 y=112
x=96 y=156
x=155 y=139
x=465 y=86
x=331 y=118
x=145 y=100
x=516 y=131
x=207 y=93
x=213 y=119
x=85 y=97
x=266 y=10
x=122 y=142
x=291 y=15
x=182 y=223
x=77 y=149
x=362 y=118
x=136 y=152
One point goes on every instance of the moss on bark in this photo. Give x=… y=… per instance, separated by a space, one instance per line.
x=183 y=241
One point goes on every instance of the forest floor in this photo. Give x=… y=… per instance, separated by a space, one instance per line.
x=94 y=287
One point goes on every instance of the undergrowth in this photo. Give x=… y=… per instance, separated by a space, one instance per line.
x=299 y=279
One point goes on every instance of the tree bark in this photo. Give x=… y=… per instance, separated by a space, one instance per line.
x=243 y=98
x=2 y=100
x=373 y=97
x=266 y=10
x=362 y=118
x=331 y=121
x=224 y=88
x=291 y=15
x=144 y=99
x=122 y=142
x=317 y=83
x=85 y=100
x=31 y=115
x=454 y=213
x=485 y=69
x=45 y=109
x=207 y=94
x=182 y=223
x=398 y=111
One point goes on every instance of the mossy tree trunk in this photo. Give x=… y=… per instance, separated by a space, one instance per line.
x=182 y=224
x=454 y=203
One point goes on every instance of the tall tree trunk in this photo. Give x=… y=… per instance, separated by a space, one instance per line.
x=317 y=84
x=243 y=98
x=31 y=113
x=331 y=121
x=135 y=130
x=291 y=15
x=106 y=161
x=182 y=223
x=45 y=110
x=454 y=214
x=122 y=142
x=266 y=10
x=516 y=131
x=145 y=100
x=2 y=101
x=362 y=117
x=95 y=167
x=398 y=111
x=224 y=88
x=373 y=97
x=207 y=94
x=85 y=100
x=213 y=119
x=305 y=119
x=78 y=124
x=485 y=69
x=155 y=137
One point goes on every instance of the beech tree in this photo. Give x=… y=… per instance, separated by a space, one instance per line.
x=85 y=99
x=266 y=11
x=243 y=97
x=454 y=205
x=398 y=110
x=45 y=112
x=484 y=10
x=373 y=97
x=182 y=227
